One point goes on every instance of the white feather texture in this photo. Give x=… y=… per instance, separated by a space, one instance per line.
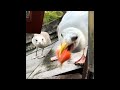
x=41 y=40
x=74 y=23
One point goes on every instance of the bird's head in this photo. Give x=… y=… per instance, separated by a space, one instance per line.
x=38 y=40
x=69 y=40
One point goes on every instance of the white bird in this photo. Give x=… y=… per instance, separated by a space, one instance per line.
x=41 y=41
x=73 y=33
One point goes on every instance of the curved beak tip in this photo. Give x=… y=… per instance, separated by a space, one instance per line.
x=63 y=46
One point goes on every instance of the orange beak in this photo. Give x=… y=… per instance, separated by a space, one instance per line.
x=62 y=53
x=62 y=47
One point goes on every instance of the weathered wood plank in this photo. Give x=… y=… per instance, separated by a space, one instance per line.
x=47 y=68
x=65 y=68
x=39 y=50
x=32 y=63
x=66 y=76
x=91 y=41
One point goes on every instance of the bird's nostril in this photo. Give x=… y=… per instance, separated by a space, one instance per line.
x=74 y=38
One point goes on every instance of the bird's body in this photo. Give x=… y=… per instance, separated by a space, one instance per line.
x=41 y=40
x=74 y=22
x=73 y=31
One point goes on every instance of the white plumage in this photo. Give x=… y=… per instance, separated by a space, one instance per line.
x=74 y=23
x=73 y=29
x=41 y=41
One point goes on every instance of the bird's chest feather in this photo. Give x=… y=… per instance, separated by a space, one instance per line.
x=41 y=46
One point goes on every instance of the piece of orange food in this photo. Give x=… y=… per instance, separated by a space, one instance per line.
x=65 y=55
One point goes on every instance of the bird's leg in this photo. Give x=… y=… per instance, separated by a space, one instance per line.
x=35 y=53
x=42 y=52
x=82 y=59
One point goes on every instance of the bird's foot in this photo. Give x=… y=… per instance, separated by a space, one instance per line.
x=34 y=57
x=42 y=56
x=38 y=57
x=81 y=61
x=53 y=58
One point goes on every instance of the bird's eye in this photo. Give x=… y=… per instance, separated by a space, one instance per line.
x=36 y=40
x=61 y=35
x=74 y=38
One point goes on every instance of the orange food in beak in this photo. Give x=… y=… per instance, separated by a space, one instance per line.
x=64 y=56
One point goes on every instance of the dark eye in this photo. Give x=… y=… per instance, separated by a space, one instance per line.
x=42 y=39
x=36 y=40
x=74 y=38
x=61 y=35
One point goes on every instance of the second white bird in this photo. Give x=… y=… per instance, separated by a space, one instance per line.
x=41 y=41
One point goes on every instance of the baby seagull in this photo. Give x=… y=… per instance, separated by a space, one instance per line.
x=41 y=41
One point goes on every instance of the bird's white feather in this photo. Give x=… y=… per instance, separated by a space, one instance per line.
x=41 y=40
x=74 y=23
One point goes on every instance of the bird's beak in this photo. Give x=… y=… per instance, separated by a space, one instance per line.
x=62 y=47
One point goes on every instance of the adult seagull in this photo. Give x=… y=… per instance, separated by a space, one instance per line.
x=73 y=33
